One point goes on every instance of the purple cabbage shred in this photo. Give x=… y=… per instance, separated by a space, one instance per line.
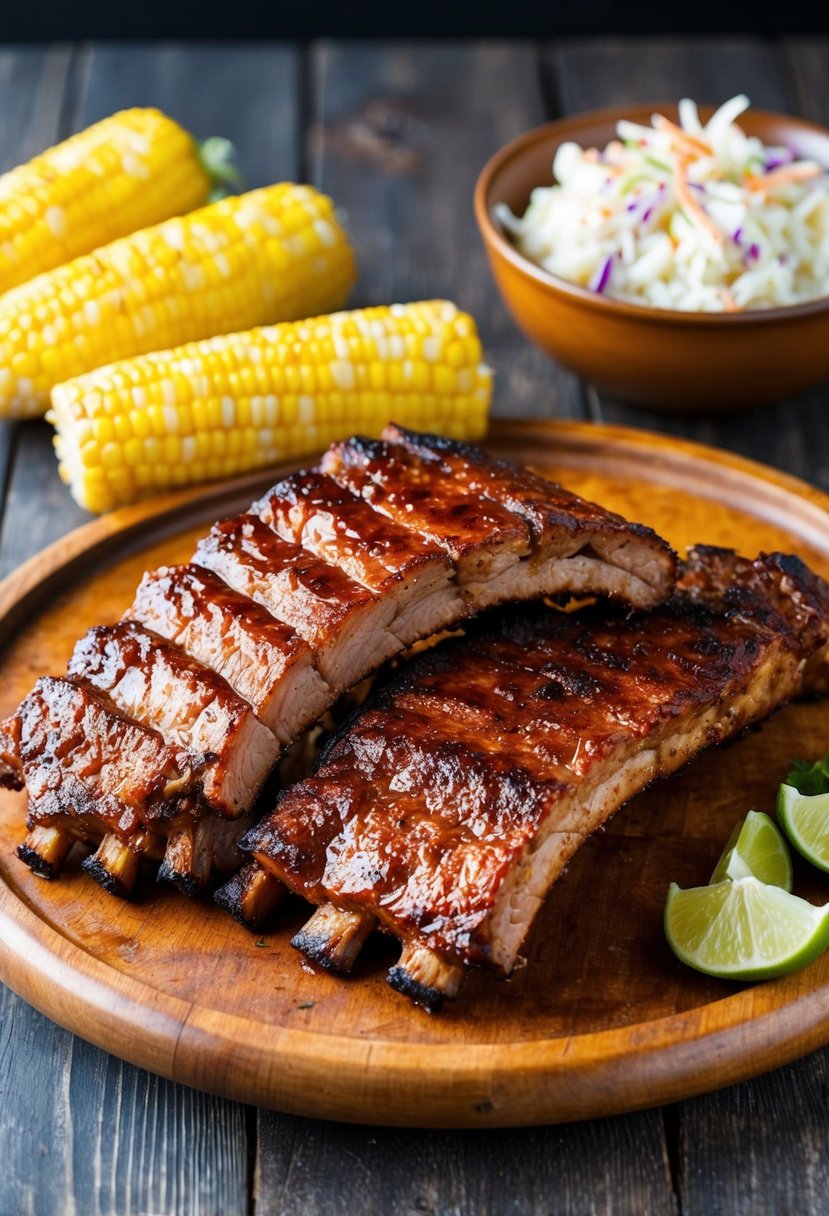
x=784 y=157
x=602 y=277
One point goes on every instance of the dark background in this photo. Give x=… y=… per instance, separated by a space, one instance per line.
x=47 y=20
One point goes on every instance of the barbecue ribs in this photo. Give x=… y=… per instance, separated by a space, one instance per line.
x=445 y=809
x=221 y=663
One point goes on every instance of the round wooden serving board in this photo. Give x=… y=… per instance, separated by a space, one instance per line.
x=602 y=1018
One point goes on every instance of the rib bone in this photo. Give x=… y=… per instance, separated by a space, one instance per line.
x=333 y=938
x=424 y=977
x=45 y=850
x=114 y=866
x=198 y=851
x=251 y=895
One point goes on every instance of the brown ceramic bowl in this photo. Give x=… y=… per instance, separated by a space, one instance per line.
x=659 y=357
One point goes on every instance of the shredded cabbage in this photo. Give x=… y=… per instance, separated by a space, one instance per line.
x=701 y=218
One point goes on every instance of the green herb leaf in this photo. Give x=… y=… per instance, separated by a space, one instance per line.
x=261 y=944
x=809 y=779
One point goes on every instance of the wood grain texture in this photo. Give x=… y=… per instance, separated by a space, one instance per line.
x=33 y=89
x=795 y=434
x=82 y=1132
x=398 y=135
x=584 y=1169
x=759 y=1147
x=247 y=93
x=180 y=988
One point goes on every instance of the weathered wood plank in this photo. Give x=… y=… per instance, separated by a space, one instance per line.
x=582 y=1169
x=32 y=91
x=247 y=92
x=795 y=434
x=759 y=1147
x=399 y=133
x=80 y=1132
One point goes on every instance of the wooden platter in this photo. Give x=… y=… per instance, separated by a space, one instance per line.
x=601 y=1020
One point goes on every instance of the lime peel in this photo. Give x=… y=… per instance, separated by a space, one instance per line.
x=744 y=929
x=805 y=820
x=756 y=849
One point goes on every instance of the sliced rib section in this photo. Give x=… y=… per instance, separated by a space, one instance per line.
x=446 y=809
x=413 y=575
x=482 y=538
x=263 y=660
x=157 y=683
x=346 y=625
x=90 y=770
x=509 y=533
x=562 y=525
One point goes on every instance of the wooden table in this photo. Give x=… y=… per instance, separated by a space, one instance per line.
x=396 y=133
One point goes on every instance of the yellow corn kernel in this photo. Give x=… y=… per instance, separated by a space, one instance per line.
x=365 y=376
x=133 y=169
x=236 y=232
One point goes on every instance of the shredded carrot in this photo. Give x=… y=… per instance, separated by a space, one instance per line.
x=728 y=300
x=689 y=204
x=786 y=173
x=683 y=142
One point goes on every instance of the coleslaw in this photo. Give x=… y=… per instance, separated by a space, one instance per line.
x=696 y=217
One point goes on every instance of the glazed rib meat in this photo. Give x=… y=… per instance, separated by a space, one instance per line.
x=287 y=606
x=261 y=658
x=345 y=625
x=91 y=773
x=413 y=575
x=158 y=684
x=509 y=533
x=447 y=807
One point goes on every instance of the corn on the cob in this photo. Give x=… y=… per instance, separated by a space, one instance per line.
x=272 y=255
x=131 y=170
x=220 y=407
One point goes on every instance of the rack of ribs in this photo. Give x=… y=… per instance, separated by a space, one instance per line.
x=448 y=805
x=226 y=660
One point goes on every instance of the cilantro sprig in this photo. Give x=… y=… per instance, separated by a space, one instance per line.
x=809 y=779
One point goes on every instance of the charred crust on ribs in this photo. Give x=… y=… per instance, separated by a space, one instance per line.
x=95 y=869
x=447 y=805
x=37 y=863
x=250 y=895
x=430 y=999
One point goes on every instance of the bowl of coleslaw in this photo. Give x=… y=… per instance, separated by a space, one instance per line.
x=672 y=255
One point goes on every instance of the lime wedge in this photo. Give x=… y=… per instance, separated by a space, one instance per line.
x=805 y=820
x=744 y=929
x=756 y=849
